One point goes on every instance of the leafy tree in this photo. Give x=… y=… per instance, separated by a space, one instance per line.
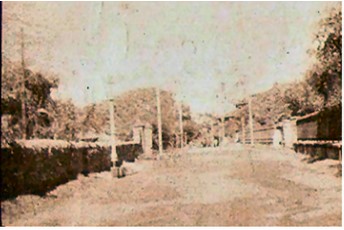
x=32 y=89
x=269 y=105
x=94 y=120
x=326 y=78
x=131 y=107
x=321 y=87
x=192 y=129
x=302 y=99
x=65 y=121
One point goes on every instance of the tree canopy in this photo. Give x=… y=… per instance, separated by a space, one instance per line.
x=320 y=88
x=326 y=75
x=32 y=90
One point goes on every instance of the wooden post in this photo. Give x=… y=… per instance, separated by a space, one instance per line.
x=112 y=128
x=223 y=87
x=23 y=105
x=251 y=119
x=181 y=125
x=340 y=154
x=243 y=130
x=223 y=128
x=159 y=119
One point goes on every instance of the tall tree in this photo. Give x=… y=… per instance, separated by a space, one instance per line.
x=65 y=123
x=327 y=74
x=37 y=100
x=302 y=99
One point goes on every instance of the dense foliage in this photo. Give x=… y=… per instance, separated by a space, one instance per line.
x=46 y=118
x=138 y=106
x=31 y=91
x=326 y=77
x=321 y=87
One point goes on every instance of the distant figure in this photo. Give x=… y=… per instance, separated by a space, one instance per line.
x=216 y=141
x=123 y=169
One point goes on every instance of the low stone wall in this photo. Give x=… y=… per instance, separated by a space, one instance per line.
x=37 y=166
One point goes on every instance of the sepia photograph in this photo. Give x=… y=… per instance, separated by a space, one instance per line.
x=164 y=113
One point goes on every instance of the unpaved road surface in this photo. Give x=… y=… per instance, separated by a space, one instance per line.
x=232 y=186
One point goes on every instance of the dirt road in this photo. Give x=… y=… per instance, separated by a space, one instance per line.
x=232 y=186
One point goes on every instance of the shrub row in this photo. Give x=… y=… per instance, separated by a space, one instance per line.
x=37 y=166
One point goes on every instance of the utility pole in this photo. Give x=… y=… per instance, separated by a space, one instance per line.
x=112 y=130
x=223 y=128
x=181 y=124
x=242 y=82
x=243 y=129
x=23 y=87
x=251 y=119
x=159 y=119
x=185 y=138
x=223 y=115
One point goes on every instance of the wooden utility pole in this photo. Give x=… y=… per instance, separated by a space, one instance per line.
x=159 y=119
x=181 y=124
x=112 y=130
x=243 y=129
x=242 y=82
x=223 y=128
x=185 y=139
x=223 y=98
x=251 y=119
x=23 y=87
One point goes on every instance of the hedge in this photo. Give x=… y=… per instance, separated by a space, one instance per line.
x=38 y=166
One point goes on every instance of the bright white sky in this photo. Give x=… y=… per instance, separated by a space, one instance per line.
x=185 y=47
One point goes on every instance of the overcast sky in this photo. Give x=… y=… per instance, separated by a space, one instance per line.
x=185 y=47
